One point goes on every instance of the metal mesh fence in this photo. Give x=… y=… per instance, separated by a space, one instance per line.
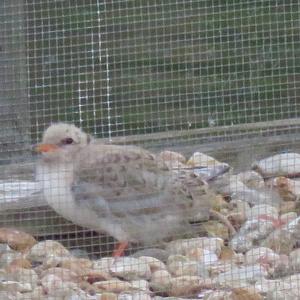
x=135 y=67
x=220 y=77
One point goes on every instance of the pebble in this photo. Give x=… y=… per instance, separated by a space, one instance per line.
x=130 y=268
x=8 y=257
x=25 y=276
x=294 y=257
x=255 y=255
x=16 y=239
x=278 y=165
x=280 y=241
x=161 y=281
x=251 y=179
x=157 y=253
x=204 y=256
x=188 y=286
x=172 y=156
x=199 y=159
x=56 y=286
x=288 y=189
x=113 y=285
x=42 y=250
x=261 y=261
x=262 y=209
x=216 y=229
x=245 y=294
x=36 y=294
x=15 y=286
x=140 y=285
x=182 y=246
x=241 y=276
x=108 y=296
x=154 y=263
x=287 y=206
x=62 y=273
x=219 y=295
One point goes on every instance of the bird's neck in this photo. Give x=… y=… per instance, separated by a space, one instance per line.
x=60 y=172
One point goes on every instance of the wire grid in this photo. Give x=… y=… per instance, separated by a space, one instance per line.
x=133 y=67
x=122 y=68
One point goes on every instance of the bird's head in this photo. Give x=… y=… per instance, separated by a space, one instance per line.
x=62 y=142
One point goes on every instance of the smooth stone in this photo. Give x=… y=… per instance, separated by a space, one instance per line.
x=15 y=286
x=254 y=256
x=130 y=268
x=184 y=245
x=241 y=276
x=40 y=251
x=188 y=285
x=280 y=165
x=113 y=285
x=157 y=253
x=154 y=263
x=16 y=239
x=262 y=209
x=161 y=281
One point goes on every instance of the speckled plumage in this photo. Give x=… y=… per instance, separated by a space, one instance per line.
x=124 y=191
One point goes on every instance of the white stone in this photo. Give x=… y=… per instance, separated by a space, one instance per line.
x=15 y=286
x=262 y=209
x=241 y=276
x=154 y=263
x=42 y=250
x=182 y=246
x=254 y=255
x=280 y=164
x=161 y=281
x=130 y=268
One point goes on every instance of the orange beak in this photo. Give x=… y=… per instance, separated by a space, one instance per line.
x=42 y=148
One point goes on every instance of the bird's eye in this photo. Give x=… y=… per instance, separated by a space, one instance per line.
x=67 y=141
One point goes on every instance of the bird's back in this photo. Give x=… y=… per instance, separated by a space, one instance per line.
x=136 y=194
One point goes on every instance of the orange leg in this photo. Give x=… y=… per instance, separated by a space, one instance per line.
x=120 y=249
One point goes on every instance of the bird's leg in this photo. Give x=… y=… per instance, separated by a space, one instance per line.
x=120 y=249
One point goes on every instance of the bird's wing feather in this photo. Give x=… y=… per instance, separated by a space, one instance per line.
x=133 y=189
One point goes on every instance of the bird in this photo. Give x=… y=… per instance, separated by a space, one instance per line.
x=124 y=191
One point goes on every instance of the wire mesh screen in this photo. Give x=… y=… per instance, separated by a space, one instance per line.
x=135 y=67
x=208 y=208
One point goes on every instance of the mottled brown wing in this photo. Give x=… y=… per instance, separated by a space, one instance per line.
x=129 y=178
x=132 y=189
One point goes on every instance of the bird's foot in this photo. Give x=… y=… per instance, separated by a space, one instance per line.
x=120 y=249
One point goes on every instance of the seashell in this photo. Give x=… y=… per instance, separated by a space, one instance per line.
x=283 y=164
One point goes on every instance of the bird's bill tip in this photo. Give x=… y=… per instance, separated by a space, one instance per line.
x=43 y=148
